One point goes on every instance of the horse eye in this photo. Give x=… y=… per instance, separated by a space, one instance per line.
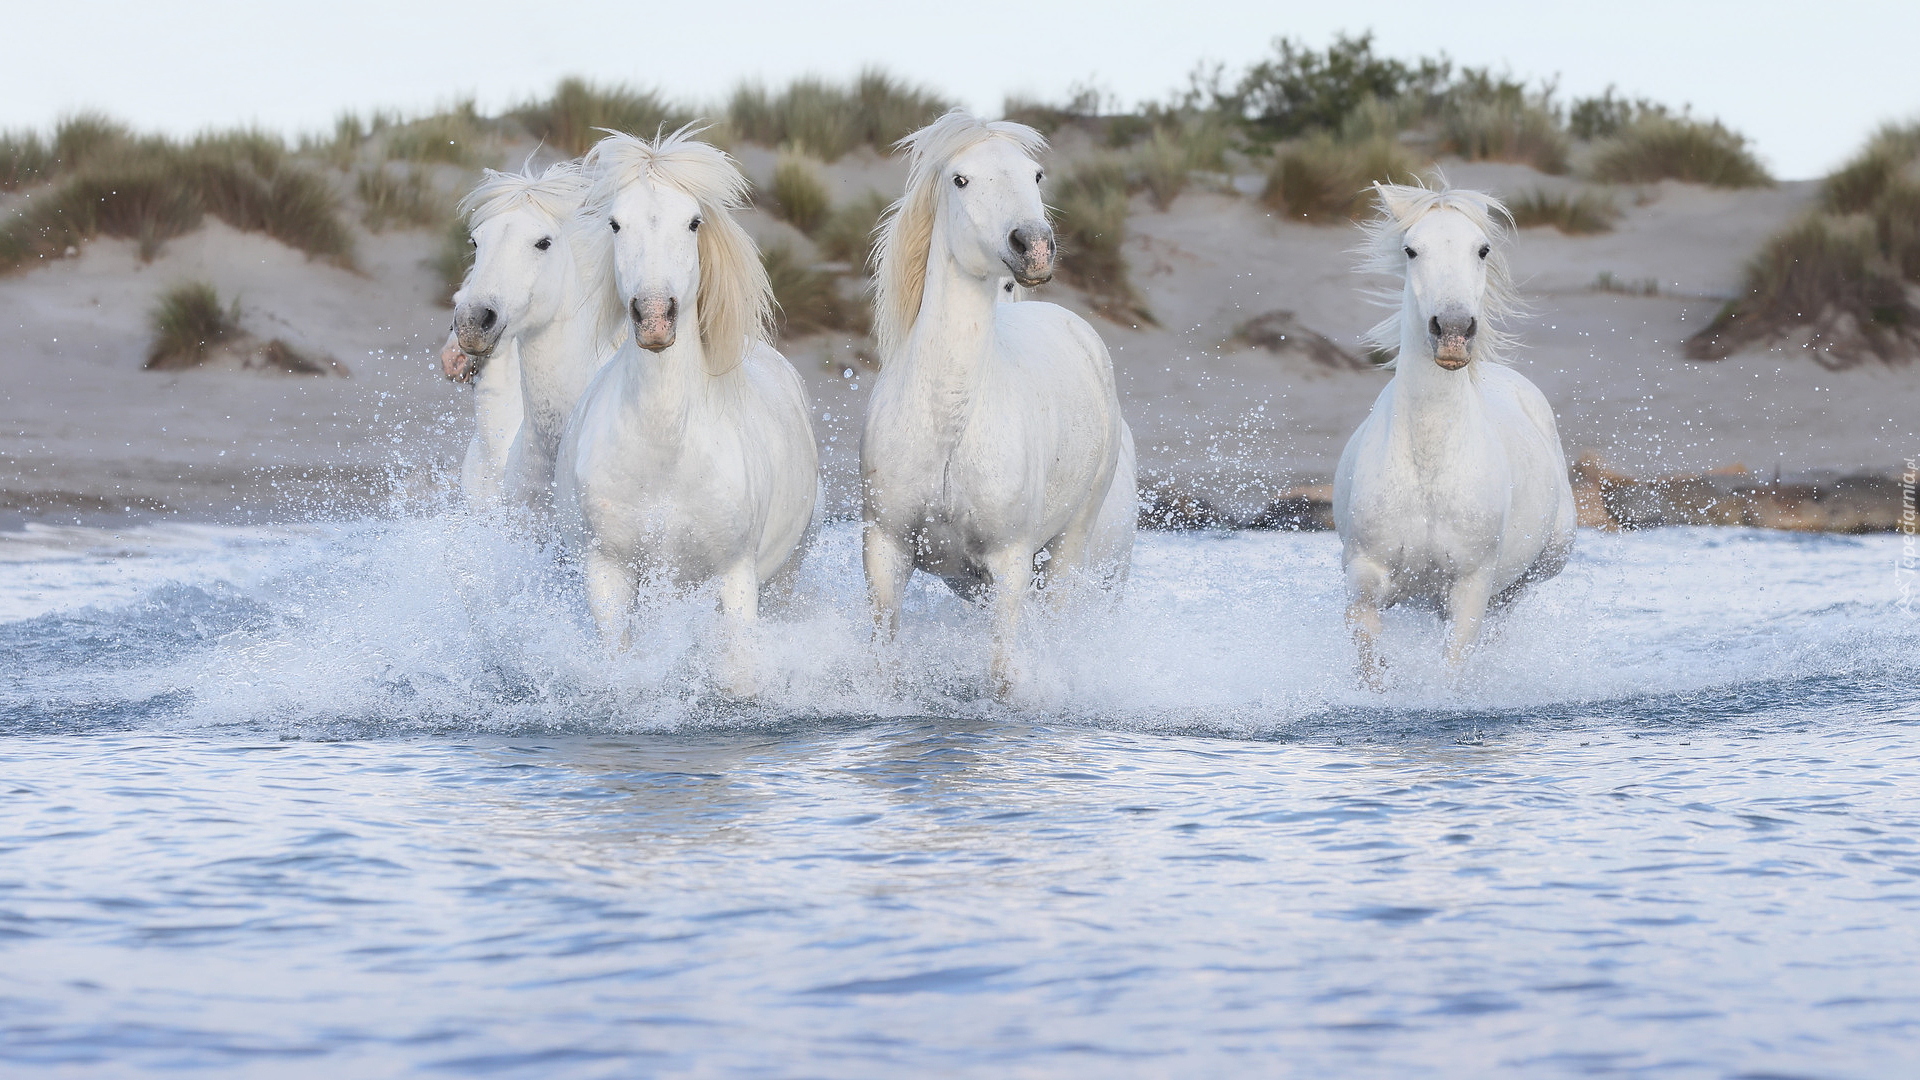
x=694 y=225
x=1412 y=254
x=544 y=243
x=1484 y=248
x=959 y=181
x=1039 y=176
x=615 y=223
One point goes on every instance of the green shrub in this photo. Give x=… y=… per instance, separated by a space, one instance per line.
x=1302 y=90
x=1320 y=179
x=799 y=195
x=1577 y=214
x=1505 y=129
x=848 y=234
x=1605 y=116
x=808 y=298
x=187 y=322
x=571 y=120
x=1659 y=147
x=404 y=198
x=889 y=109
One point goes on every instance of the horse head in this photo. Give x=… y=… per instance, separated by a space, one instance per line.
x=522 y=273
x=994 y=220
x=669 y=245
x=1449 y=252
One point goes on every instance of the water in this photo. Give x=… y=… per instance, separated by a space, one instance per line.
x=366 y=800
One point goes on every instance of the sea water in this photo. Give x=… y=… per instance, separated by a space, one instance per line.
x=369 y=799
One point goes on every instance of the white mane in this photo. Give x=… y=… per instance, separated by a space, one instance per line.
x=554 y=194
x=906 y=230
x=1382 y=252
x=735 y=302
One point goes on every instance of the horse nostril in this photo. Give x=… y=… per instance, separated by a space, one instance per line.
x=488 y=317
x=1019 y=242
x=673 y=308
x=633 y=309
x=1433 y=326
x=1472 y=325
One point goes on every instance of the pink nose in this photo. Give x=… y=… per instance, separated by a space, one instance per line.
x=655 y=321
x=454 y=363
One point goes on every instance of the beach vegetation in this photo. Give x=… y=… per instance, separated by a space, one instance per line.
x=1658 y=146
x=579 y=113
x=799 y=194
x=187 y=322
x=1576 y=213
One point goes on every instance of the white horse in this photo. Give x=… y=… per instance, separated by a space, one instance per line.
x=529 y=298
x=994 y=450
x=691 y=455
x=1454 y=491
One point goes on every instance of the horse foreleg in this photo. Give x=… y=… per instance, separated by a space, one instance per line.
x=1466 y=610
x=888 y=564
x=1012 y=572
x=610 y=589
x=739 y=611
x=1367 y=584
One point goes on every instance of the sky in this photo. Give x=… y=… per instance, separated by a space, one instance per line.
x=1807 y=82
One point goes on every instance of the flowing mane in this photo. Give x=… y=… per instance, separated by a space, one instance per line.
x=554 y=194
x=1401 y=205
x=735 y=301
x=906 y=230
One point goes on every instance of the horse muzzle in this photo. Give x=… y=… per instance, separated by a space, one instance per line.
x=1030 y=254
x=655 y=321
x=1452 y=340
x=456 y=364
x=1453 y=352
x=477 y=328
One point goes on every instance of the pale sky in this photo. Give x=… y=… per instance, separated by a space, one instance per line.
x=1807 y=82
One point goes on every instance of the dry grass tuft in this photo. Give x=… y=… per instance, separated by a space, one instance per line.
x=848 y=235
x=1581 y=213
x=826 y=119
x=570 y=120
x=1163 y=163
x=799 y=194
x=1090 y=214
x=808 y=298
x=1845 y=276
x=452 y=259
x=1507 y=128
x=403 y=198
x=187 y=322
x=1827 y=276
x=25 y=159
x=151 y=190
x=1659 y=147
x=1320 y=179
x=455 y=137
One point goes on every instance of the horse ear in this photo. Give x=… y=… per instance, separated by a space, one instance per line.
x=1395 y=198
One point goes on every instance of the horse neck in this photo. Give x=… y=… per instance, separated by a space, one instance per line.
x=558 y=359
x=952 y=337
x=1433 y=409
x=660 y=390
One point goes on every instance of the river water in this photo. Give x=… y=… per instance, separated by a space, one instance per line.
x=367 y=800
